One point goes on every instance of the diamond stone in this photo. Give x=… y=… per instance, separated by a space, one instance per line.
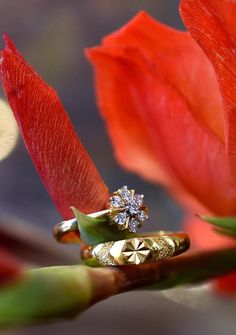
x=142 y=215
x=125 y=193
x=121 y=218
x=116 y=201
x=133 y=225
x=138 y=198
x=133 y=208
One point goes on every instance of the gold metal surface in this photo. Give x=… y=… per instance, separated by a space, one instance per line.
x=137 y=250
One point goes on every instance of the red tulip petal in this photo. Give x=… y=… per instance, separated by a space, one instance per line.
x=212 y=23
x=126 y=123
x=9 y=267
x=62 y=162
x=181 y=61
x=148 y=118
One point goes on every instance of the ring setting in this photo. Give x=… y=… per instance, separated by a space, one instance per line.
x=127 y=210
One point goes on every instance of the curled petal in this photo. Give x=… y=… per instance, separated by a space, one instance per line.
x=62 y=162
x=212 y=23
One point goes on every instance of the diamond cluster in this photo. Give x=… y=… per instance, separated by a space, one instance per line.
x=128 y=210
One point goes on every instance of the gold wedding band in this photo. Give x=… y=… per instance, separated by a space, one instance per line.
x=136 y=250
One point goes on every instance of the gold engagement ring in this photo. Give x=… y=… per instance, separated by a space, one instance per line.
x=125 y=210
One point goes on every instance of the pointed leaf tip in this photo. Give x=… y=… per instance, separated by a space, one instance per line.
x=98 y=230
x=223 y=225
x=8 y=43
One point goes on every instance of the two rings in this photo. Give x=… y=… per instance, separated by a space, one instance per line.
x=127 y=212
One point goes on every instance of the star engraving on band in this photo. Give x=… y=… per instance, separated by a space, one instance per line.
x=135 y=251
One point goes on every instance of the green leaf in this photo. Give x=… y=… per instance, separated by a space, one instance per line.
x=98 y=230
x=225 y=225
x=225 y=232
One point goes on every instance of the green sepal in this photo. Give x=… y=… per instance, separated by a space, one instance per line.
x=223 y=225
x=98 y=230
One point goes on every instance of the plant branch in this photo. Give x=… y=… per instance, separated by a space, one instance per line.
x=64 y=291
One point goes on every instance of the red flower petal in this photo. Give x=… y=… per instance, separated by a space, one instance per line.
x=180 y=61
x=212 y=23
x=62 y=162
x=126 y=123
x=152 y=125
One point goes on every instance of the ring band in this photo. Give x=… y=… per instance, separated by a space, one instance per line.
x=136 y=250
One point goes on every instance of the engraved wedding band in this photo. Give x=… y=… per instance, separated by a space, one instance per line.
x=136 y=250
